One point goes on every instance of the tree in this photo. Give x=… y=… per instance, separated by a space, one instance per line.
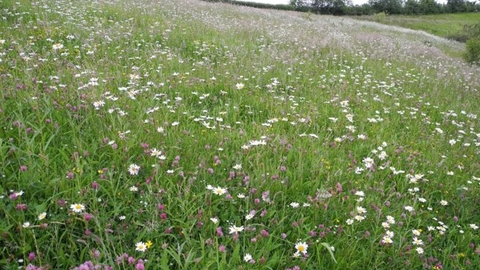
x=470 y=6
x=412 y=7
x=456 y=6
x=335 y=7
x=388 y=6
x=301 y=3
x=430 y=7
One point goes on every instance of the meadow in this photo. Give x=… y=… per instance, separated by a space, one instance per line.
x=193 y=135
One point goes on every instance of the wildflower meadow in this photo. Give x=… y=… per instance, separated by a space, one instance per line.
x=183 y=134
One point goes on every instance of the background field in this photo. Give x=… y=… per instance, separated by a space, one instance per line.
x=194 y=135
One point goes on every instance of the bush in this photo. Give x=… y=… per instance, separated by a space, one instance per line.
x=469 y=31
x=472 y=55
x=380 y=17
x=472 y=30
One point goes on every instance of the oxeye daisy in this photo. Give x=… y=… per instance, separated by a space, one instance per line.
x=234 y=229
x=57 y=46
x=219 y=190
x=416 y=232
x=249 y=216
x=390 y=220
x=77 y=207
x=301 y=247
x=417 y=242
x=42 y=216
x=237 y=167
x=294 y=204
x=387 y=240
x=359 y=217
x=140 y=246
x=154 y=152
x=248 y=257
x=133 y=169
x=361 y=210
x=98 y=104
x=360 y=193
x=239 y=86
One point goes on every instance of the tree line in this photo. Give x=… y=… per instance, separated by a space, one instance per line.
x=407 y=7
x=346 y=7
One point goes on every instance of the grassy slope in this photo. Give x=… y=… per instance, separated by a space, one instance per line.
x=204 y=84
x=442 y=25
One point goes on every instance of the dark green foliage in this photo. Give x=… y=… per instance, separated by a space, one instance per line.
x=358 y=10
x=261 y=5
x=412 y=7
x=346 y=7
x=387 y=6
x=335 y=7
x=456 y=6
x=472 y=54
x=430 y=7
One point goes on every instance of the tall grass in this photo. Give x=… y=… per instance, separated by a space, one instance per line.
x=192 y=135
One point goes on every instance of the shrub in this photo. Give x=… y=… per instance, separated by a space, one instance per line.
x=472 y=30
x=472 y=54
x=380 y=17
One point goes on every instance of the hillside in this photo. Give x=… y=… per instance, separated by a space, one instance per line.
x=194 y=135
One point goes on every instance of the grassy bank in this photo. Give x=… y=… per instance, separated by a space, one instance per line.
x=195 y=135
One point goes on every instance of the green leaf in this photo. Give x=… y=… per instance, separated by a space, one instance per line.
x=329 y=248
x=41 y=208
x=164 y=260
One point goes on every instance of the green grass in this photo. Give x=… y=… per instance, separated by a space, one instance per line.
x=143 y=134
x=443 y=25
